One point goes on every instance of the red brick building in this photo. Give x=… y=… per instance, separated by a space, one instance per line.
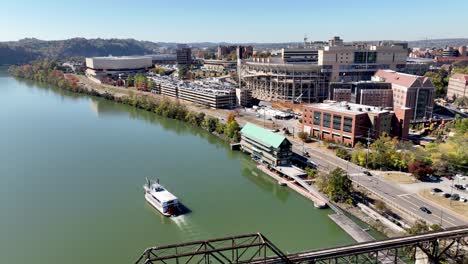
x=349 y=123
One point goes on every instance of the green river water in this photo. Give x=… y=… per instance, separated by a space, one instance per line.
x=71 y=174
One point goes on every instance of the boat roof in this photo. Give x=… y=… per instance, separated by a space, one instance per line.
x=164 y=196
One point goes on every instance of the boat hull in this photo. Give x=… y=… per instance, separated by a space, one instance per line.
x=154 y=204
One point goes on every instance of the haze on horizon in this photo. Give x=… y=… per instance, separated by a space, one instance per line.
x=239 y=21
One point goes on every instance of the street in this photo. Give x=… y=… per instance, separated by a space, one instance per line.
x=390 y=193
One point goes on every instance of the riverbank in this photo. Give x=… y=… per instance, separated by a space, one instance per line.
x=156 y=104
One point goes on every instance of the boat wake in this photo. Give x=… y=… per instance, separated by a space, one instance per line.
x=188 y=228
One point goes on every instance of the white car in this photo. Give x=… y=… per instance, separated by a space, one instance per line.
x=461 y=177
x=462 y=199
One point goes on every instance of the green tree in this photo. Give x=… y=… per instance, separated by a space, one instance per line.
x=383 y=152
x=311 y=172
x=339 y=186
x=303 y=135
x=439 y=81
x=220 y=127
x=419 y=227
x=211 y=123
x=233 y=130
x=343 y=154
x=183 y=71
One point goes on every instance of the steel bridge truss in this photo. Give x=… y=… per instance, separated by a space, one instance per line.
x=238 y=249
x=434 y=247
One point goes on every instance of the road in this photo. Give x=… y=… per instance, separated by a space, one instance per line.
x=389 y=192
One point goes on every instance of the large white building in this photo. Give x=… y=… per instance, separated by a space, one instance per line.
x=98 y=67
x=357 y=62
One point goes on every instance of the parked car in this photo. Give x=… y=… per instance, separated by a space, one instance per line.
x=455 y=197
x=367 y=173
x=436 y=190
x=462 y=199
x=459 y=187
x=424 y=209
x=446 y=195
x=461 y=177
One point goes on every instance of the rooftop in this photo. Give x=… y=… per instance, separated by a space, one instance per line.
x=262 y=135
x=120 y=57
x=403 y=79
x=461 y=77
x=349 y=108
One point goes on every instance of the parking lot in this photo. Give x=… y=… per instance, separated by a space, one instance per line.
x=445 y=185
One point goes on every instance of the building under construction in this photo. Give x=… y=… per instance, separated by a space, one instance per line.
x=285 y=82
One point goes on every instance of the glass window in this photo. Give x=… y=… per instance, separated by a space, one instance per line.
x=326 y=120
x=317 y=117
x=337 y=122
x=347 y=124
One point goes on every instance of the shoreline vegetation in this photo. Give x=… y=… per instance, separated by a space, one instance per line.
x=49 y=72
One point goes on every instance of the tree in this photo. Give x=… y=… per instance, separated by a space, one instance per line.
x=419 y=169
x=220 y=127
x=129 y=81
x=339 y=186
x=233 y=130
x=231 y=117
x=211 y=123
x=383 y=150
x=311 y=172
x=303 y=135
x=439 y=81
x=380 y=206
x=419 y=227
x=183 y=71
x=343 y=154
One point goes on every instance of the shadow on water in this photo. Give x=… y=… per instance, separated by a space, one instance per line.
x=260 y=179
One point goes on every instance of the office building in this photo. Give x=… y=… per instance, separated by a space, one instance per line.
x=224 y=51
x=457 y=86
x=357 y=62
x=411 y=91
x=450 y=52
x=244 y=52
x=184 y=55
x=346 y=123
x=365 y=92
x=98 y=68
x=265 y=146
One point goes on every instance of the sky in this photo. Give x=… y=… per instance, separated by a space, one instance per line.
x=234 y=21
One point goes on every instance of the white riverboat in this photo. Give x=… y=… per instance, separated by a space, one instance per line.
x=161 y=199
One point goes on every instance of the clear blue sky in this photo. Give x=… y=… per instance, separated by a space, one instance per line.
x=233 y=20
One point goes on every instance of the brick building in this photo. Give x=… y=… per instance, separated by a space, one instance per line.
x=410 y=91
x=349 y=123
x=457 y=86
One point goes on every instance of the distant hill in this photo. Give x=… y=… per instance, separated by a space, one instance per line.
x=15 y=52
x=24 y=50
x=438 y=43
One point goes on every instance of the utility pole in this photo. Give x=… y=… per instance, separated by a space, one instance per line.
x=368 y=145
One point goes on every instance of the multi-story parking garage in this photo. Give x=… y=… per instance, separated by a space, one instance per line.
x=285 y=82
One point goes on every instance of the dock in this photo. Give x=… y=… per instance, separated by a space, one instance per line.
x=355 y=231
x=319 y=202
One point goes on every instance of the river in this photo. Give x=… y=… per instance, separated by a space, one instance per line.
x=71 y=176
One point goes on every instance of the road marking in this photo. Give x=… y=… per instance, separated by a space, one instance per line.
x=444 y=219
x=405 y=194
